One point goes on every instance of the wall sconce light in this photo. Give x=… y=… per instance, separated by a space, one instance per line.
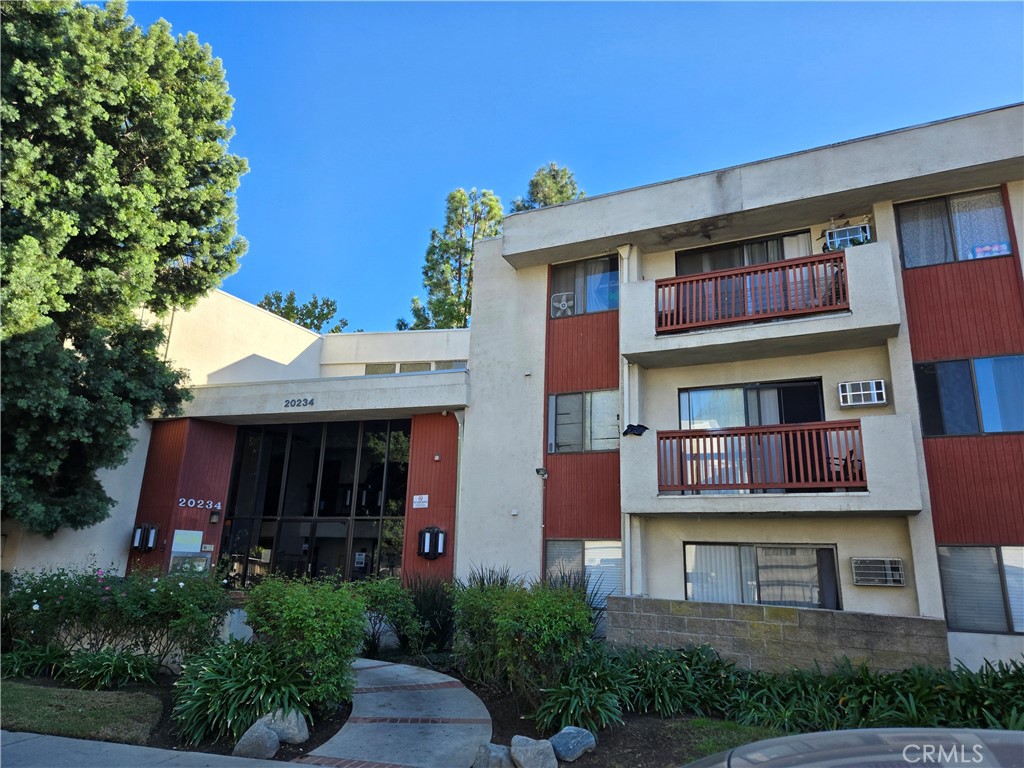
x=431 y=543
x=542 y=473
x=144 y=537
x=214 y=517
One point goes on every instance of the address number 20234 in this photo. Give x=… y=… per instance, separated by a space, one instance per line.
x=198 y=503
x=299 y=402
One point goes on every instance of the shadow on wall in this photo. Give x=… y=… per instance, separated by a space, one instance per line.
x=254 y=368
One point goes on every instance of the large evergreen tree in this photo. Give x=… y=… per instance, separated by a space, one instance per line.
x=448 y=268
x=550 y=185
x=118 y=195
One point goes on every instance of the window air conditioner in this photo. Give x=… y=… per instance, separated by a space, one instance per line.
x=878 y=571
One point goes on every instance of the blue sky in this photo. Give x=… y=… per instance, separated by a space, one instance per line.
x=357 y=119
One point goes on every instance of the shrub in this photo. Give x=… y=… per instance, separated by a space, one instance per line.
x=223 y=690
x=598 y=687
x=476 y=637
x=389 y=608
x=538 y=632
x=96 y=609
x=109 y=668
x=34 y=660
x=317 y=624
x=435 y=611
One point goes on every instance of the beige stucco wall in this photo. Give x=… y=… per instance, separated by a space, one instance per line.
x=501 y=504
x=663 y=574
x=104 y=544
x=346 y=354
x=225 y=340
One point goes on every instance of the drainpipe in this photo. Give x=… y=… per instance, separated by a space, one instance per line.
x=460 y=418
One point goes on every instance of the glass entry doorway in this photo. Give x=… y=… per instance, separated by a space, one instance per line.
x=324 y=499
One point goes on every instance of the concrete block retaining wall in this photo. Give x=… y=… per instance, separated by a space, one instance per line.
x=777 y=638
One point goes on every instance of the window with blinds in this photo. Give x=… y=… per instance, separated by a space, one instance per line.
x=983 y=588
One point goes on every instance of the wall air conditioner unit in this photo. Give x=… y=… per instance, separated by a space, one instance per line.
x=563 y=304
x=855 y=393
x=844 y=237
x=878 y=571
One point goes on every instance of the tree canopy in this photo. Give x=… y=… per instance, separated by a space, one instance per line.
x=118 y=198
x=313 y=314
x=550 y=185
x=448 y=267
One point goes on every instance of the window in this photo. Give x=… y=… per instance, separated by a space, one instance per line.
x=599 y=562
x=745 y=254
x=983 y=588
x=376 y=369
x=955 y=228
x=450 y=365
x=582 y=287
x=968 y=397
x=583 y=421
x=804 y=577
x=413 y=367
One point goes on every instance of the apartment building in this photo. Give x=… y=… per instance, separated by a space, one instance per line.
x=777 y=407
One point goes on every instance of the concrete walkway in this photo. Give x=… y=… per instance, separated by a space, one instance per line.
x=406 y=716
x=402 y=717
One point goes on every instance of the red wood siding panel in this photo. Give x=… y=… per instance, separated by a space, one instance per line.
x=583 y=353
x=206 y=475
x=975 y=486
x=432 y=435
x=582 y=496
x=159 y=487
x=191 y=459
x=965 y=309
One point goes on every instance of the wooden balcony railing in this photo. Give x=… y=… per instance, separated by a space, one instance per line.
x=785 y=457
x=787 y=288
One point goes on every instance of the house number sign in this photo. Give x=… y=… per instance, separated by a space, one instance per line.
x=185 y=501
x=299 y=402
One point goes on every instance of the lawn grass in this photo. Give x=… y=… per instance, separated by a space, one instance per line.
x=128 y=718
x=706 y=736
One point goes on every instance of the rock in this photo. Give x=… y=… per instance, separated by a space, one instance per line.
x=258 y=742
x=531 y=753
x=570 y=743
x=290 y=728
x=493 y=756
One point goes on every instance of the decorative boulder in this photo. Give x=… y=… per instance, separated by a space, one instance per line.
x=531 y=753
x=493 y=756
x=258 y=742
x=290 y=728
x=570 y=743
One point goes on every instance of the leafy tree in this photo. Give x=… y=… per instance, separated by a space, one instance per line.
x=448 y=268
x=118 y=196
x=550 y=185
x=314 y=314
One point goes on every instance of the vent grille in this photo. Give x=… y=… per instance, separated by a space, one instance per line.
x=856 y=393
x=878 y=571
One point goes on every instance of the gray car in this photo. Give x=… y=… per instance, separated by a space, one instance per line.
x=878 y=748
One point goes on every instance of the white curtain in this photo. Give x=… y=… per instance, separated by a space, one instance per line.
x=924 y=233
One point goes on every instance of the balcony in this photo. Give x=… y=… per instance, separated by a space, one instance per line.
x=820 y=303
x=791 y=288
x=822 y=456
x=789 y=470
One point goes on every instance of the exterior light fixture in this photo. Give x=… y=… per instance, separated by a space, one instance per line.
x=542 y=473
x=144 y=537
x=431 y=543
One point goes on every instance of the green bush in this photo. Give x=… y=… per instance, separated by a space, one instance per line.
x=435 y=611
x=109 y=668
x=317 y=624
x=96 y=609
x=599 y=685
x=476 y=637
x=27 y=660
x=389 y=608
x=539 y=632
x=223 y=690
